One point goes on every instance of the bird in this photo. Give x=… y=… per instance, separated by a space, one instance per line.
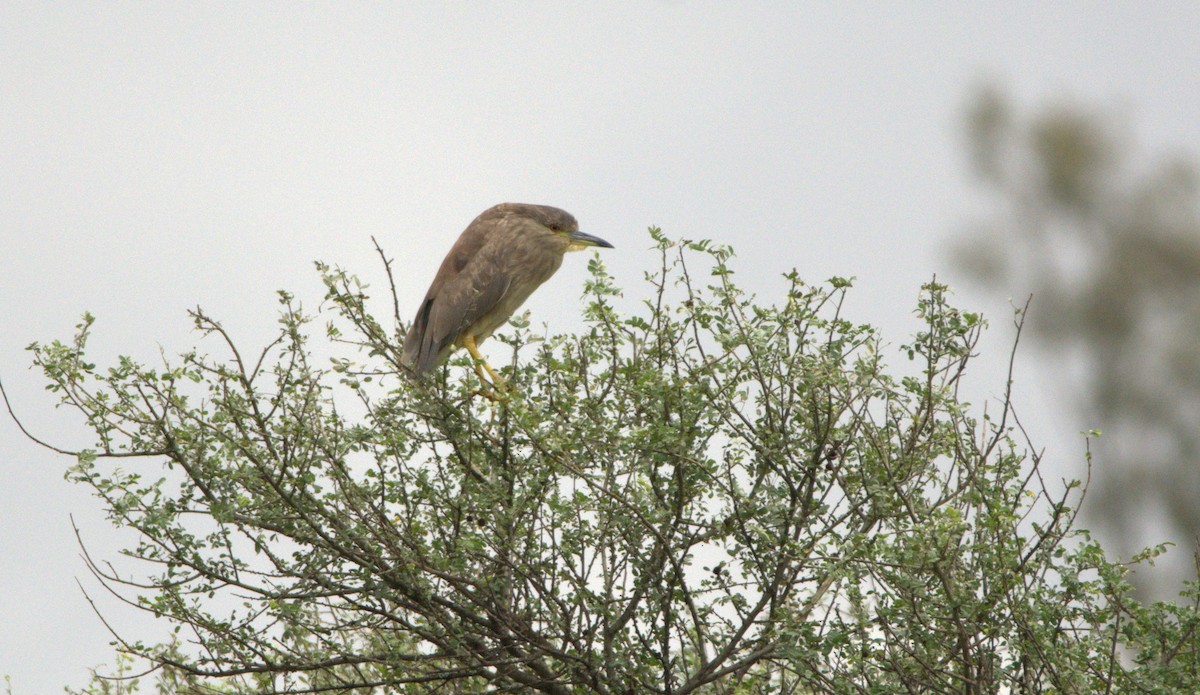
x=505 y=254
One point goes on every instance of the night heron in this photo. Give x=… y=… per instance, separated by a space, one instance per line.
x=497 y=262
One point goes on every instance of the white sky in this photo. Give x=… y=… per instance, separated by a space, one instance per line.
x=158 y=156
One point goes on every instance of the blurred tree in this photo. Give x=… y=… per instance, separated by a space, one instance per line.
x=1112 y=257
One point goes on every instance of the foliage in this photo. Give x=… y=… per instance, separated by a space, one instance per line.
x=1112 y=255
x=706 y=494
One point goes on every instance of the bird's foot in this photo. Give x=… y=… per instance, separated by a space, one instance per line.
x=496 y=389
x=493 y=395
x=500 y=388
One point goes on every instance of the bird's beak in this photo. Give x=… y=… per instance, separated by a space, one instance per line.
x=580 y=240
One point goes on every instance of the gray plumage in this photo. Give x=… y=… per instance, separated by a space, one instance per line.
x=499 y=260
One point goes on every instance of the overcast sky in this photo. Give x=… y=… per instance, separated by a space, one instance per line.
x=155 y=157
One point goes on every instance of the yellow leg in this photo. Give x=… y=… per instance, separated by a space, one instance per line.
x=481 y=364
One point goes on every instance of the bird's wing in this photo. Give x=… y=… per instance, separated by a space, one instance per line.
x=466 y=287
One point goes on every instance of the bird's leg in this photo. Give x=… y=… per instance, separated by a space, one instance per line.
x=481 y=364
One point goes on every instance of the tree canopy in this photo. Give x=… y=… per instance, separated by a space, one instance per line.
x=707 y=494
x=1110 y=248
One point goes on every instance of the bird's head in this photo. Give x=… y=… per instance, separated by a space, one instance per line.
x=558 y=227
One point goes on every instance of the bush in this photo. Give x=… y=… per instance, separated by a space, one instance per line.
x=708 y=494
